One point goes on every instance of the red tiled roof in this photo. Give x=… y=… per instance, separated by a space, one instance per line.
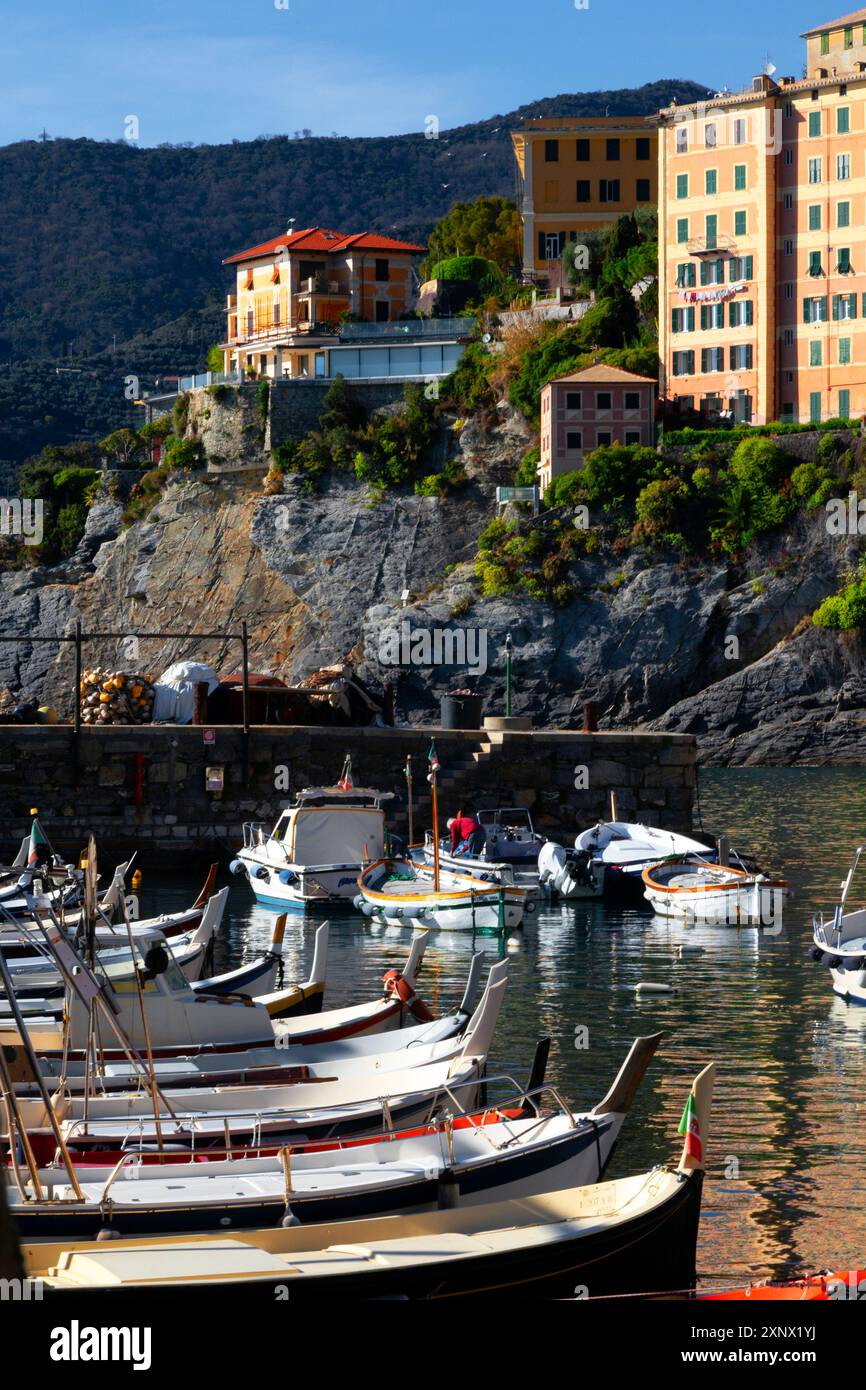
x=323 y=239
x=603 y=372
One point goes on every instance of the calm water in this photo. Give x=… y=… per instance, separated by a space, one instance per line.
x=787 y=1158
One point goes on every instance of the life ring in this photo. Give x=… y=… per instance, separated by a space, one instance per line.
x=398 y=985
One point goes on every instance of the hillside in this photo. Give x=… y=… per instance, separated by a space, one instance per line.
x=110 y=254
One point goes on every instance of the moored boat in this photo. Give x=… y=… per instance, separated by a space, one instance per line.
x=694 y=891
x=401 y=893
x=840 y=943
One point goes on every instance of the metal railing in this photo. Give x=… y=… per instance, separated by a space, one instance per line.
x=411 y=328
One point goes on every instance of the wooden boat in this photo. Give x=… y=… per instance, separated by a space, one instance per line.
x=693 y=891
x=840 y=943
x=614 y=1237
x=490 y=1156
x=812 y=1288
x=313 y=855
x=402 y=894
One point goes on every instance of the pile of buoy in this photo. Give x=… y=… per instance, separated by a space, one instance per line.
x=115 y=697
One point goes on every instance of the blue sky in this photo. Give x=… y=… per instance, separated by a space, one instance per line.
x=216 y=70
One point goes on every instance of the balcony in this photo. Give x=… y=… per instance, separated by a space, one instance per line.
x=324 y=285
x=720 y=245
x=409 y=328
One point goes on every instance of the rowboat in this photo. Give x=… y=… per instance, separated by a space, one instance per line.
x=614 y=1237
x=494 y=1155
x=313 y=855
x=840 y=943
x=693 y=891
x=401 y=893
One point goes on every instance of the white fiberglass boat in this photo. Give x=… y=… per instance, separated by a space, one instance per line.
x=315 y=851
x=693 y=891
x=840 y=943
x=619 y=851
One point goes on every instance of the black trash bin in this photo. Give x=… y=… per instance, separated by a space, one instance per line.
x=461 y=711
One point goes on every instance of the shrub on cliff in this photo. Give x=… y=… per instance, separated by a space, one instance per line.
x=664 y=510
x=63 y=478
x=846 y=610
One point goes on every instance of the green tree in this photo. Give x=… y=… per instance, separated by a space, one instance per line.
x=490 y=227
x=124 y=446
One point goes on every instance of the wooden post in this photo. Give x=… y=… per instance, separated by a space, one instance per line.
x=435 y=834
x=723 y=845
x=409 y=792
x=590 y=717
x=613 y=805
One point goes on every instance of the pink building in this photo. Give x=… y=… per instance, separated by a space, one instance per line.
x=600 y=405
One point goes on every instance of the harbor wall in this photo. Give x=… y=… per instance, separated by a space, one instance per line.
x=147 y=786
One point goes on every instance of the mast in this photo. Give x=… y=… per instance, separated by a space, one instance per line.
x=435 y=829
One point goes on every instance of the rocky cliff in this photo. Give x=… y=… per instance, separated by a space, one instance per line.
x=723 y=651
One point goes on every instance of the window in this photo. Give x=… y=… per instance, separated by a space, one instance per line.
x=612 y=149
x=788 y=247
x=815 y=217
x=276 y=313
x=682 y=185
x=845 y=405
x=814 y=171
x=712 y=272
x=815 y=310
x=643 y=191
x=573 y=400
x=712 y=316
x=685 y=275
x=789 y=290
x=682 y=139
x=843 y=120
x=574 y=439
x=740 y=313
x=814 y=123
x=815 y=407
x=843 y=166
x=710 y=136
x=603 y=437
x=789 y=337
x=739 y=224
x=843 y=214
x=712 y=359
x=712 y=229
x=844 y=354
x=609 y=190
x=848 y=38
x=739 y=132
x=843 y=261
x=844 y=307
x=740 y=357
x=602 y=400
x=583 y=194
x=632 y=436
x=642 y=147
x=632 y=400
x=739 y=177
x=789 y=110
x=382 y=270
x=383 y=311
x=825 y=42
x=740 y=268
x=551 y=151
x=789 y=155
x=683 y=363
x=788 y=201
x=251 y=324
x=815 y=263
x=550 y=245
x=581 y=150
x=711 y=181
x=682 y=229
x=682 y=320
x=815 y=354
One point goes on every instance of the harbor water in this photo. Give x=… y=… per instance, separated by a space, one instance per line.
x=787 y=1151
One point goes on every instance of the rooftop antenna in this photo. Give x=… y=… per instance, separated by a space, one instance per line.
x=769 y=66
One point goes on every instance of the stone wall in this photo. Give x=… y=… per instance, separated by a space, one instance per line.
x=146 y=786
x=297 y=405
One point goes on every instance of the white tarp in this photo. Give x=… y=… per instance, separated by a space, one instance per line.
x=174 y=698
x=328 y=836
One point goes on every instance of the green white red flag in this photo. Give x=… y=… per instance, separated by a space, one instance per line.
x=36 y=839
x=690 y=1127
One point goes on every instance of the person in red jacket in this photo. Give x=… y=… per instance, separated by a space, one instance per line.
x=466 y=833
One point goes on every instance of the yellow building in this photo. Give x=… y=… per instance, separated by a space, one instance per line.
x=762 y=233
x=292 y=292
x=578 y=175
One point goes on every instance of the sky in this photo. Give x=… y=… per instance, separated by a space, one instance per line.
x=210 y=71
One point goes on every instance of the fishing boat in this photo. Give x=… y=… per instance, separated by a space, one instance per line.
x=614 y=1237
x=693 y=891
x=510 y=836
x=401 y=893
x=494 y=1155
x=313 y=855
x=840 y=943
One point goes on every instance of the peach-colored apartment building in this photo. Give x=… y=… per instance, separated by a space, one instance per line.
x=762 y=232
x=600 y=405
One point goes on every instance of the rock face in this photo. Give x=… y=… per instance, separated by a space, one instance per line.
x=721 y=651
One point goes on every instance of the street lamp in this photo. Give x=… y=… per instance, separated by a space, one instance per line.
x=509 y=647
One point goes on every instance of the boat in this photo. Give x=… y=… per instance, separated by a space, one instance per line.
x=510 y=836
x=401 y=893
x=840 y=943
x=570 y=873
x=619 y=1237
x=355 y=1097
x=844 y=1285
x=494 y=1155
x=691 y=890
x=619 y=851
x=315 y=851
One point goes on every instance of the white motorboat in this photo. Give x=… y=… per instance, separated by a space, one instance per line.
x=693 y=891
x=510 y=837
x=840 y=943
x=314 y=853
x=620 y=851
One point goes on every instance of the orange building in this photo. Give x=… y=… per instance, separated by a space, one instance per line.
x=578 y=175
x=762 y=231
x=293 y=291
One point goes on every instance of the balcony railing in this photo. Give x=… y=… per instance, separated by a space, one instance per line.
x=719 y=245
x=411 y=328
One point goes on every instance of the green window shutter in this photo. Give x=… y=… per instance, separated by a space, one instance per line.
x=749 y=318
x=814 y=123
x=739 y=177
x=835 y=310
x=845 y=405
x=852 y=301
x=815 y=218
x=732 y=315
x=842 y=121
x=815 y=354
x=691 y=273
x=704 y=316
x=703 y=272
x=843 y=214
x=682 y=185
x=807 y=310
x=844 y=353
x=720 y=271
x=682 y=229
x=710 y=181
x=712 y=228
x=823 y=308
x=815 y=407
x=739 y=224
x=675 y=320
x=690 y=316
x=747 y=274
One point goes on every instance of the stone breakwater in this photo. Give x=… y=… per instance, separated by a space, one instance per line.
x=148 y=786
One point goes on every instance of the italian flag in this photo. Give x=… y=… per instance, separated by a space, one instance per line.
x=691 y=1129
x=433 y=758
x=36 y=839
x=345 y=783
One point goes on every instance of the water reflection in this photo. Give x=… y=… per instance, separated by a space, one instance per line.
x=785 y=1188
